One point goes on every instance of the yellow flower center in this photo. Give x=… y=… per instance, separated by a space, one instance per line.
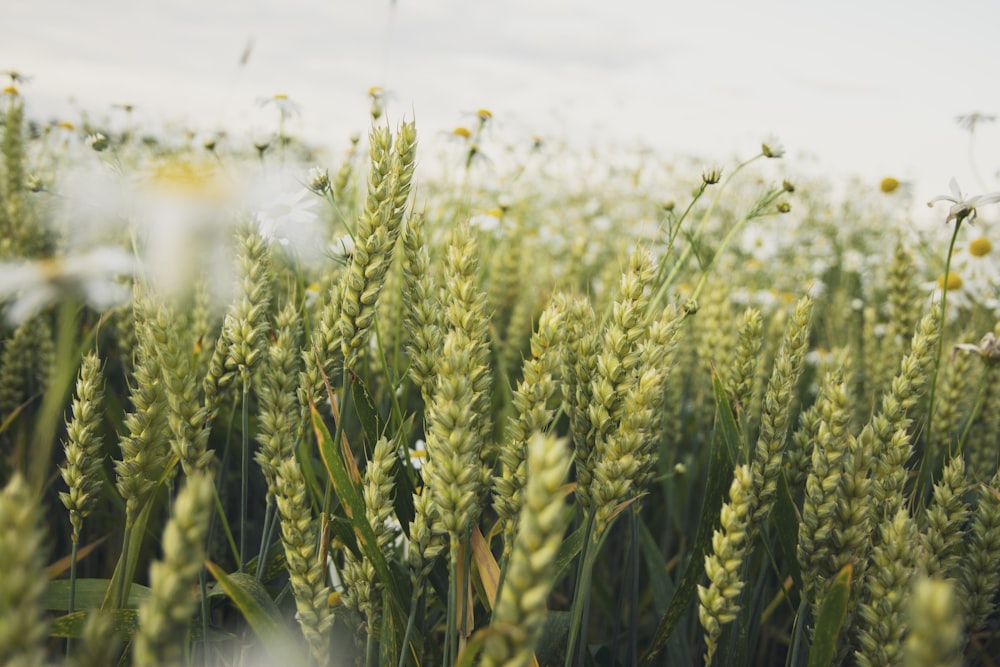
x=187 y=178
x=888 y=184
x=10 y=90
x=66 y=125
x=462 y=132
x=375 y=91
x=980 y=247
x=280 y=96
x=484 y=114
x=954 y=282
x=51 y=268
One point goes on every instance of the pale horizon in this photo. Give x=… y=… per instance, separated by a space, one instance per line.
x=865 y=89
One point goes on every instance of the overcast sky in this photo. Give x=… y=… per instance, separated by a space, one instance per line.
x=855 y=86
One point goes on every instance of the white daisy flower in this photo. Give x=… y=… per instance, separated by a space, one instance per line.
x=958 y=294
x=286 y=107
x=988 y=347
x=487 y=222
x=29 y=286
x=418 y=454
x=319 y=180
x=286 y=213
x=343 y=246
x=335 y=582
x=979 y=267
x=963 y=207
x=772 y=148
x=97 y=141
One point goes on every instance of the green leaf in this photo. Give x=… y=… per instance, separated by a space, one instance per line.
x=568 y=550
x=402 y=500
x=786 y=523
x=725 y=441
x=659 y=580
x=257 y=607
x=367 y=412
x=340 y=529
x=726 y=432
x=552 y=643
x=354 y=507
x=275 y=565
x=467 y=658
x=128 y=561
x=830 y=619
x=89 y=594
x=124 y=621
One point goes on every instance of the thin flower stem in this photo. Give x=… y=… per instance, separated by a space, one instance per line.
x=119 y=594
x=925 y=470
x=72 y=586
x=411 y=623
x=675 y=231
x=220 y=510
x=370 y=652
x=681 y=262
x=244 y=477
x=203 y=588
x=974 y=413
x=633 y=631
x=265 y=538
x=451 y=640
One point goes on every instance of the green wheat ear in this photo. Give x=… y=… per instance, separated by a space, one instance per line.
x=23 y=628
x=935 y=638
x=165 y=616
x=307 y=576
x=84 y=449
x=519 y=615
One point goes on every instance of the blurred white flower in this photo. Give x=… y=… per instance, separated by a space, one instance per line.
x=958 y=294
x=988 y=347
x=97 y=141
x=487 y=222
x=335 y=582
x=184 y=224
x=319 y=180
x=979 y=266
x=969 y=121
x=418 y=454
x=279 y=215
x=286 y=213
x=343 y=246
x=772 y=148
x=32 y=285
x=963 y=207
x=286 y=107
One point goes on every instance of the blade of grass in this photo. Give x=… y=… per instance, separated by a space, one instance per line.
x=830 y=619
x=354 y=508
x=786 y=523
x=367 y=412
x=89 y=594
x=725 y=441
x=258 y=609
